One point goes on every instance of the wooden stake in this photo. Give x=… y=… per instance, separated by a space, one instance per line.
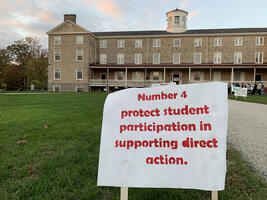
x=124 y=193
x=214 y=195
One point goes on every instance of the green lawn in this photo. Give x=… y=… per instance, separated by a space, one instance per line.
x=61 y=161
x=251 y=98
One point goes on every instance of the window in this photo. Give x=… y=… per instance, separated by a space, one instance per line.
x=56 y=88
x=138 y=43
x=197 y=58
x=79 y=88
x=238 y=41
x=79 y=74
x=176 y=42
x=57 y=39
x=198 y=42
x=79 y=39
x=103 y=43
x=120 y=43
x=57 y=74
x=57 y=55
x=198 y=76
x=119 y=75
x=170 y=21
x=217 y=59
x=184 y=21
x=156 y=43
x=120 y=58
x=259 y=41
x=79 y=55
x=156 y=58
x=103 y=58
x=238 y=58
x=138 y=76
x=217 y=42
x=239 y=76
x=177 y=20
x=155 y=76
x=176 y=58
x=138 y=58
x=259 y=57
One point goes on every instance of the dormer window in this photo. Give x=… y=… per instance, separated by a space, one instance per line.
x=177 y=20
x=184 y=21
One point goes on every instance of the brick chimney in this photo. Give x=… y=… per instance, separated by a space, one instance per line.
x=71 y=17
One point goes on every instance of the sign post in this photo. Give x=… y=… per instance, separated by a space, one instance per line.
x=171 y=136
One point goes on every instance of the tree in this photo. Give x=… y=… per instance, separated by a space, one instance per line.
x=37 y=72
x=12 y=77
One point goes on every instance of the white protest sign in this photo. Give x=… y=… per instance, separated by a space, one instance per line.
x=165 y=137
x=242 y=92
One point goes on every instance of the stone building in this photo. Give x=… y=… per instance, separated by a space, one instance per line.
x=80 y=60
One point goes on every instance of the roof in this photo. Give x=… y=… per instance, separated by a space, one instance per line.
x=188 y=32
x=180 y=10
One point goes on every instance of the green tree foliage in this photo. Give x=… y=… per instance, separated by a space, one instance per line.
x=37 y=72
x=31 y=61
x=12 y=77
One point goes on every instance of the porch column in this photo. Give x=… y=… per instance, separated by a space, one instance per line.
x=164 y=75
x=145 y=76
x=232 y=76
x=107 y=86
x=254 y=79
x=189 y=77
x=210 y=74
x=126 y=75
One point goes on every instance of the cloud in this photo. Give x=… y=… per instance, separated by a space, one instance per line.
x=106 y=7
x=193 y=13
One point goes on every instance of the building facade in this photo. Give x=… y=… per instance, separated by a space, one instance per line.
x=80 y=60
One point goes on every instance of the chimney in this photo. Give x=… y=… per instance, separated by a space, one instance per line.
x=71 y=17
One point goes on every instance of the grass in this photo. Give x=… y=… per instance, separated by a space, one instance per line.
x=61 y=161
x=251 y=98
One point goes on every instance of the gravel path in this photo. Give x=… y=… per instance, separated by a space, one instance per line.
x=247 y=132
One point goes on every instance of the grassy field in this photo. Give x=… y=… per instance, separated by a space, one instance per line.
x=251 y=98
x=61 y=161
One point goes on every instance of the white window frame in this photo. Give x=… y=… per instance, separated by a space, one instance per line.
x=79 y=79
x=57 y=79
x=79 y=86
x=156 y=42
x=217 y=58
x=198 y=42
x=179 y=58
x=259 y=41
x=120 y=58
x=138 y=43
x=103 y=43
x=238 y=41
x=59 y=55
x=177 y=39
x=78 y=41
x=77 y=50
x=54 y=88
x=242 y=76
x=134 y=76
x=152 y=77
x=154 y=54
x=237 y=57
x=200 y=73
x=200 y=57
x=103 y=58
x=259 y=55
x=120 y=43
x=218 y=42
x=116 y=75
x=138 y=59
x=55 y=40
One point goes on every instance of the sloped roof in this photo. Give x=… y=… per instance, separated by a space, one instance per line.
x=188 y=32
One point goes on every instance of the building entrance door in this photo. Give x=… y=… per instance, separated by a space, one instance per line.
x=258 y=78
x=176 y=78
x=103 y=76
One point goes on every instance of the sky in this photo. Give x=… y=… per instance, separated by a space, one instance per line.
x=33 y=18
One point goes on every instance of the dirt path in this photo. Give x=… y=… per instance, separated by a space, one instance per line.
x=247 y=132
